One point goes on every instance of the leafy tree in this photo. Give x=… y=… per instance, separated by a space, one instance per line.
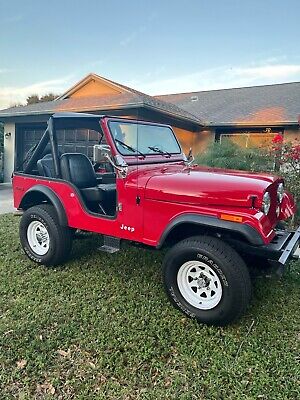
x=49 y=97
x=32 y=99
x=35 y=98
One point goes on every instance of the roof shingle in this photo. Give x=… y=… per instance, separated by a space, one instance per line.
x=269 y=104
x=279 y=103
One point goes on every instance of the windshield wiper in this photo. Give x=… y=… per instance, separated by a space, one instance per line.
x=157 y=150
x=130 y=148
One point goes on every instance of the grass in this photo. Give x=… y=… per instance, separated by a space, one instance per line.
x=101 y=327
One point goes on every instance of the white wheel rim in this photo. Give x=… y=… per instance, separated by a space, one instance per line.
x=199 y=284
x=38 y=238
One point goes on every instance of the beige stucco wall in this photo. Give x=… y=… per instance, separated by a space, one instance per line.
x=198 y=141
x=9 y=150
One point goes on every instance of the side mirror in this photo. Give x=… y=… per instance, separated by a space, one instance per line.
x=119 y=161
x=100 y=152
x=120 y=165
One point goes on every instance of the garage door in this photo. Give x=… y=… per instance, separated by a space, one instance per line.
x=69 y=140
x=29 y=136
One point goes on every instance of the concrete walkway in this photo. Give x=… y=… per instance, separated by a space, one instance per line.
x=6 y=198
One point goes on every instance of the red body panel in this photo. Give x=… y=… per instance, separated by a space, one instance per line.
x=168 y=189
x=165 y=192
x=78 y=217
x=194 y=186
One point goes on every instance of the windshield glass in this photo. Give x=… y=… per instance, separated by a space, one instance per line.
x=131 y=138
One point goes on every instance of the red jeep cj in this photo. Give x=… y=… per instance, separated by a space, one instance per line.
x=140 y=187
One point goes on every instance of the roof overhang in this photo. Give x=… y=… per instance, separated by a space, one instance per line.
x=76 y=115
x=253 y=124
x=83 y=110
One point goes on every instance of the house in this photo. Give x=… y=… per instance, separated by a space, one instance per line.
x=24 y=125
x=247 y=115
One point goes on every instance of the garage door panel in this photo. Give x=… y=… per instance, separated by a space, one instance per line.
x=93 y=136
x=82 y=135
x=38 y=134
x=70 y=136
x=60 y=135
x=27 y=148
x=29 y=136
x=69 y=148
x=90 y=152
x=69 y=140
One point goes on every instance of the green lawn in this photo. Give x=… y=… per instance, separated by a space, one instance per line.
x=101 y=327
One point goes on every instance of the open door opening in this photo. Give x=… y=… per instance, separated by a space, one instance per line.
x=52 y=158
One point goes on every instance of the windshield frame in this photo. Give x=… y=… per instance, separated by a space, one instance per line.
x=146 y=123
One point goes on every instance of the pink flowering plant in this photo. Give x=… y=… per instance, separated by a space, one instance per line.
x=287 y=158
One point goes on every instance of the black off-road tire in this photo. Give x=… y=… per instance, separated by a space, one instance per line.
x=224 y=263
x=60 y=237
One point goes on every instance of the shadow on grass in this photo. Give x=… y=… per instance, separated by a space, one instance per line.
x=131 y=260
x=138 y=265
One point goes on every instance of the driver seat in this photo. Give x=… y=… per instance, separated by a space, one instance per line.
x=77 y=169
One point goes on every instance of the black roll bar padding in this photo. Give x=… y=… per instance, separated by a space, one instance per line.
x=54 y=148
x=37 y=152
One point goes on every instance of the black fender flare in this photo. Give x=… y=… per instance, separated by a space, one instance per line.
x=53 y=198
x=247 y=231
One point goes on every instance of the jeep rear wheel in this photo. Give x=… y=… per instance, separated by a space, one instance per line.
x=43 y=239
x=207 y=280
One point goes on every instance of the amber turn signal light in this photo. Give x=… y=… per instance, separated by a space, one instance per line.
x=233 y=218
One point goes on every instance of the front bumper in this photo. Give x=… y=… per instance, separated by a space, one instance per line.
x=283 y=248
x=290 y=247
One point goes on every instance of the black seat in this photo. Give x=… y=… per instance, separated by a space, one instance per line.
x=77 y=169
x=45 y=166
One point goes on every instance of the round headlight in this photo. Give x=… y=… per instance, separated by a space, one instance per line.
x=280 y=192
x=266 y=204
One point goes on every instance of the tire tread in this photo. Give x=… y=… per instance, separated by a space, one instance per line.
x=62 y=233
x=229 y=257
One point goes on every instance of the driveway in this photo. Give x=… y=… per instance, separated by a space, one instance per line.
x=6 y=198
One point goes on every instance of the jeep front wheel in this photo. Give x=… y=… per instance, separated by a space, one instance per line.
x=43 y=239
x=207 y=280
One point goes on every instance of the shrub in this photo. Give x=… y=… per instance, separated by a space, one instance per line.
x=229 y=155
x=287 y=155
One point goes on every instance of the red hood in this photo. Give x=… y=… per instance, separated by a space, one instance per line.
x=207 y=186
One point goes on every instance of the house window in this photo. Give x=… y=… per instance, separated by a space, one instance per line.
x=250 y=139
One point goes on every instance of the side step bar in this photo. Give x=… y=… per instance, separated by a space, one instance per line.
x=110 y=245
